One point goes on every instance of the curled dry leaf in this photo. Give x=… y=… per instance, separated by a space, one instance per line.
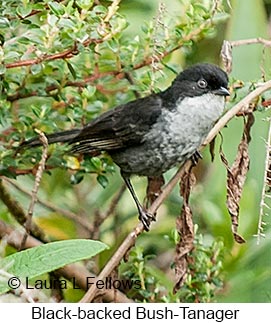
x=226 y=55
x=236 y=176
x=266 y=103
x=212 y=149
x=185 y=228
x=154 y=189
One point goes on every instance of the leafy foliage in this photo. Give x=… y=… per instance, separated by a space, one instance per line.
x=62 y=63
x=203 y=275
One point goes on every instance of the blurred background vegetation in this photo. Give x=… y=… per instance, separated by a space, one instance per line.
x=236 y=273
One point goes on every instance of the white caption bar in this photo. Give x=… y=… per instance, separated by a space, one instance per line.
x=98 y=312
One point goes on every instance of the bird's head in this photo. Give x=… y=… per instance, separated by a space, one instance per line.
x=200 y=79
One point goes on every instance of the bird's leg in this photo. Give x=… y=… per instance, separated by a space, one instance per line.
x=195 y=157
x=144 y=216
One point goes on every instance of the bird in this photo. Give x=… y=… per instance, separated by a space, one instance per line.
x=150 y=135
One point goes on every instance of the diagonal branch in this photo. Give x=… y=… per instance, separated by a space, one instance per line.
x=38 y=177
x=18 y=212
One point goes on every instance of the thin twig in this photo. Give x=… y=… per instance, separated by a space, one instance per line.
x=129 y=241
x=100 y=217
x=18 y=212
x=38 y=177
x=194 y=33
x=226 y=51
x=113 y=8
x=69 y=53
x=266 y=182
x=259 y=40
x=159 y=26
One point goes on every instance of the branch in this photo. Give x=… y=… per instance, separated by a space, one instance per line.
x=80 y=84
x=150 y=60
x=130 y=240
x=264 y=205
x=112 y=10
x=17 y=211
x=226 y=51
x=259 y=40
x=100 y=216
x=69 y=53
x=38 y=177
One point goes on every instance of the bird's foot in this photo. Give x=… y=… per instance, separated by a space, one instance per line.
x=146 y=218
x=196 y=157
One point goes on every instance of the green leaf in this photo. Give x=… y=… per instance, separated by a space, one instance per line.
x=96 y=162
x=77 y=178
x=57 y=8
x=100 y=10
x=36 y=69
x=11 y=55
x=36 y=110
x=4 y=22
x=24 y=11
x=72 y=70
x=102 y=180
x=6 y=172
x=84 y=4
x=2 y=69
x=88 y=91
x=46 y=258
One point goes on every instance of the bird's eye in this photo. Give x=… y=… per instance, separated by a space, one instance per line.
x=202 y=84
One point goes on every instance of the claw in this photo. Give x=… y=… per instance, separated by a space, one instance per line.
x=195 y=157
x=146 y=218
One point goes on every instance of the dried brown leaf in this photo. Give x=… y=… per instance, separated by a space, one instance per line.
x=186 y=183
x=185 y=228
x=226 y=55
x=212 y=149
x=154 y=189
x=236 y=176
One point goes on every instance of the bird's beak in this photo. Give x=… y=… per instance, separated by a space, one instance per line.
x=222 y=91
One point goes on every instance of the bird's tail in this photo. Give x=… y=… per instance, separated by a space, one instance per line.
x=62 y=136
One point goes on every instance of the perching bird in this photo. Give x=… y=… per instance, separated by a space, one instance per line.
x=150 y=135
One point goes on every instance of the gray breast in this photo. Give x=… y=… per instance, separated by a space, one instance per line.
x=174 y=138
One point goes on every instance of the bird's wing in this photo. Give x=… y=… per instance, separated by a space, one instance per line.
x=120 y=127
